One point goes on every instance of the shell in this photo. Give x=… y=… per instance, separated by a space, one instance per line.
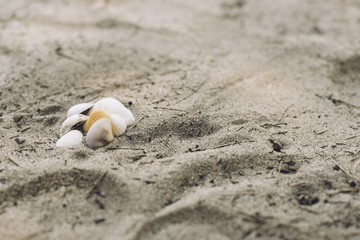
x=72 y=122
x=118 y=124
x=94 y=116
x=81 y=108
x=100 y=133
x=72 y=138
x=113 y=106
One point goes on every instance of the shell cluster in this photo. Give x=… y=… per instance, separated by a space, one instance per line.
x=100 y=121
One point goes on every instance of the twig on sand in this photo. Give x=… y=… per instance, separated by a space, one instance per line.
x=344 y=190
x=269 y=125
x=125 y=148
x=78 y=169
x=220 y=146
x=25 y=129
x=158 y=101
x=309 y=210
x=283 y=114
x=13 y=161
x=173 y=109
x=338 y=101
x=351 y=137
x=61 y=54
x=193 y=91
x=226 y=145
x=30 y=236
x=49 y=95
x=138 y=121
x=321 y=132
x=96 y=184
x=93 y=98
x=344 y=171
x=347 y=235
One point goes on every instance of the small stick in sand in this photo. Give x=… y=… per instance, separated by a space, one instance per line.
x=269 y=125
x=194 y=91
x=158 y=101
x=96 y=184
x=49 y=95
x=78 y=169
x=344 y=190
x=94 y=97
x=125 y=148
x=283 y=114
x=344 y=171
x=25 y=129
x=173 y=109
x=309 y=210
x=322 y=132
x=30 y=236
x=338 y=101
x=138 y=121
x=351 y=137
x=226 y=145
x=13 y=161
x=61 y=54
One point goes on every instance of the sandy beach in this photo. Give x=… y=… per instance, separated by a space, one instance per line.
x=247 y=119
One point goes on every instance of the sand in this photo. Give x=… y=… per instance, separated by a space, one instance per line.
x=248 y=116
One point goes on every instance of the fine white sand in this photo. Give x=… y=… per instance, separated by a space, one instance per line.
x=248 y=116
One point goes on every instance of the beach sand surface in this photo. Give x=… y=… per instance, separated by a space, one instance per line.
x=247 y=119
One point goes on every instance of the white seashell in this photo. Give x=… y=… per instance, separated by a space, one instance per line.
x=72 y=138
x=118 y=125
x=81 y=108
x=113 y=106
x=100 y=133
x=72 y=122
x=117 y=122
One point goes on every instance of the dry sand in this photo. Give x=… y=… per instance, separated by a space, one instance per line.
x=248 y=119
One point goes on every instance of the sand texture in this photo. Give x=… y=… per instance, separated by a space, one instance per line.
x=247 y=119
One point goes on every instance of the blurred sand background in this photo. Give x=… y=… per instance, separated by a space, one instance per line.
x=248 y=119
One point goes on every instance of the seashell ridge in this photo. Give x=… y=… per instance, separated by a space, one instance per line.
x=118 y=125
